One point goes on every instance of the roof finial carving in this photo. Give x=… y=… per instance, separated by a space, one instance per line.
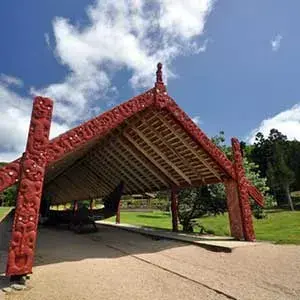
x=159 y=73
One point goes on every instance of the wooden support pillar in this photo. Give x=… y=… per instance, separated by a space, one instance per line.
x=33 y=163
x=75 y=208
x=245 y=207
x=118 y=214
x=234 y=210
x=91 y=205
x=174 y=209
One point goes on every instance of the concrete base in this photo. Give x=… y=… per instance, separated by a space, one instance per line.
x=5 y=230
x=214 y=243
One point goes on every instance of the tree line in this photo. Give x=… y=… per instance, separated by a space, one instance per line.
x=272 y=164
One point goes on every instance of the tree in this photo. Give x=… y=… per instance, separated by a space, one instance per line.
x=190 y=206
x=276 y=159
x=8 y=196
x=280 y=175
x=211 y=199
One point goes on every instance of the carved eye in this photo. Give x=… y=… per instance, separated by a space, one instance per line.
x=31 y=218
x=20 y=218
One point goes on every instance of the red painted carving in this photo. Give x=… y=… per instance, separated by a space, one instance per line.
x=102 y=124
x=159 y=77
x=199 y=136
x=97 y=127
x=82 y=134
x=174 y=209
x=163 y=100
x=255 y=194
x=9 y=174
x=233 y=207
x=243 y=191
x=21 y=251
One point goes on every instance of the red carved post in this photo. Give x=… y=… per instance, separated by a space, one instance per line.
x=75 y=208
x=91 y=205
x=118 y=214
x=233 y=207
x=243 y=191
x=174 y=209
x=24 y=231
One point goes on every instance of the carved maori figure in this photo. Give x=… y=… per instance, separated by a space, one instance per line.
x=33 y=163
x=243 y=191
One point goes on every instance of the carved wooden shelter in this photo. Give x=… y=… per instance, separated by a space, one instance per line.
x=148 y=143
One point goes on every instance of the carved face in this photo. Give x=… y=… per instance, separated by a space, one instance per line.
x=32 y=170
x=26 y=219
x=43 y=108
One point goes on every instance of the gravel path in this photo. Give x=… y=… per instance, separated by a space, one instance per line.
x=115 y=264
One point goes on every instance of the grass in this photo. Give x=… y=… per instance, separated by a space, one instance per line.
x=4 y=211
x=156 y=219
x=281 y=227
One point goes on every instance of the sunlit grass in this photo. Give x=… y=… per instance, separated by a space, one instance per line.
x=279 y=226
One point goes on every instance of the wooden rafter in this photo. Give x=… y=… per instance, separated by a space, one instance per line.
x=158 y=152
x=189 y=147
x=149 y=157
x=108 y=165
x=146 y=165
x=113 y=161
x=85 y=180
x=125 y=161
x=97 y=185
x=136 y=165
x=103 y=172
x=109 y=185
x=165 y=142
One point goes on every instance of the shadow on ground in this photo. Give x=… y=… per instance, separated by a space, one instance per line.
x=57 y=244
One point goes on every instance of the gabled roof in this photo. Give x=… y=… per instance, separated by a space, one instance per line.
x=147 y=142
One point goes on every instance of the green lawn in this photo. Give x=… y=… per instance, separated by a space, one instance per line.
x=280 y=226
x=4 y=211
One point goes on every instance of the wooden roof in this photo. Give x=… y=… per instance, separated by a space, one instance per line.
x=148 y=142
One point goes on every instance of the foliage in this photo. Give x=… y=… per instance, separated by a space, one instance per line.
x=276 y=159
x=190 y=206
x=8 y=196
x=252 y=173
x=160 y=204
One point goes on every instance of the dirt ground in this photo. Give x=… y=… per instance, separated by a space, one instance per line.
x=115 y=264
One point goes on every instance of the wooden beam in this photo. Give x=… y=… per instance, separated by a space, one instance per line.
x=163 y=140
x=146 y=165
x=207 y=165
x=158 y=152
x=162 y=169
x=131 y=159
x=124 y=169
x=109 y=186
x=83 y=177
x=129 y=163
x=109 y=164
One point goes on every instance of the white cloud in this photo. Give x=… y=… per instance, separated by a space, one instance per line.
x=14 y=124
x=287 y=122
x=131 y=35
x=10 y=80
x=47 y=40
x=276 y=42
x=197 y=120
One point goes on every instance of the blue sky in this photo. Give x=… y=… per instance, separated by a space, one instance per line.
x=231 y=65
